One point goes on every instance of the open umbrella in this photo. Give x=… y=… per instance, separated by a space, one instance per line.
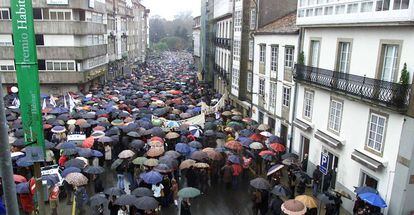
x=116 y=163
x=281 y=190
x=162 y=168
x=308 y=201
x=22 y=188
x=199 y=155
x=373 y=199
x=234 y=145
x=325 y=199
x=95 y=170
x=277 y=147
x=260 y=183
x=126 y=154
x=195 y=144
x=172 y=135
x=68 y=170
x=182 y=148
x=66 y=145
x=293 y=207
x=265 y=134
x=76 y=179
x=364 y=189
x=146 y=203
x=189 y=192
x=137 y=144
x=234 y=159
x=125 y=199
x=142 y=191
x=114 y=191
x=152 y=177
x=139 y=160
x=201 y=165
x=97 y=199
x=263 y=127
x=256 y=145
x=290 y=155
x=155 y=151
x=75 y=163
x=212 y=154
x=151 y=162
x=19 y=178
x=172 y=154
x=274 y=169
x=187 y=164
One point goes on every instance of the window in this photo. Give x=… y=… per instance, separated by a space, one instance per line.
x=309 y=12
x=344 y=55
x=60 y=65
x=4 y=13
x=318 y=11
x=253 y=18
x=335 y=115
x=376 y=132
x=274 y=58
x=366 y=7
x=273 y=92
x=261 y=116
x=289 y=52
x=60 y=14
x=367 y=180
x=301 y=13
x=95 y=39
x=320 y=1
x=237 y=20
x=262 y=56
x=251 y=47
x=302 y=3
x=286 y=96
x=236 y=50
x=37 y=13
x=249 y=81
x=7 y=65
x=39 y=39
x=261 y=86
x=41 y=64
x=352 y=8
x=389 y=61
x=6 y=40
x=308 y=104
x=328 y=10
x=235 y=78
x=96 y=61
x=340 y=9
x=401 y=4
x=382 y=5
x=314 y=53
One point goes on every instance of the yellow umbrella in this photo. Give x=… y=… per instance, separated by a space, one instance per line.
x=308 y=201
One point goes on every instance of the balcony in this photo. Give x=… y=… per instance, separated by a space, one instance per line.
x=60 y=52
x=59 y=27
x=392 y=95
x=222 y=72
x=75 y=4
x=223 y=42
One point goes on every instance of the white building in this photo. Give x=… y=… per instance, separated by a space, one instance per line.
x=349 y=100
x=196 y=43
x=223 y=11
x=275 y=51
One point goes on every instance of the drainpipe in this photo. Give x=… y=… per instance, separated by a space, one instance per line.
x=296 y=93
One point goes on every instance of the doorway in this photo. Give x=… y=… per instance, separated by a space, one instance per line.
x=305 y=147
x=283 y=133
x=333 y=167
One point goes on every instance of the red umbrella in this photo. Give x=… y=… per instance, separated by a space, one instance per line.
x=256 y=137
x=88 y=142
x=159 y=139
x=19 y=178
x=266 y=152
x=234 y=145
x=277 y=147
x=98 y=128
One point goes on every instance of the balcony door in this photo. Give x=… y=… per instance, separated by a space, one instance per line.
x=314 y=53
x=389 y=62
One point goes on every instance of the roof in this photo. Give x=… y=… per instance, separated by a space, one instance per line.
x=283 y=25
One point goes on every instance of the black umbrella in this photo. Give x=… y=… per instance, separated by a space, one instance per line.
x=157 y=131
x=146 y=203
x=75 y=163
x=281 y=190
x=142 y=191
x=126 y=199
x=260 y=183
x=114 y=191
x=95 y=170
x=325 y=199
x=18 y=143
x=137 y=144
x=290 y=155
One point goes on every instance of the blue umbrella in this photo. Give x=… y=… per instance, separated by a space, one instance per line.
x=182 y=148
x=245 y=141
x=96 y=153
x=234 y=159
x=66 y=145
x=51 y=179
x=152 y=177
x=373 y=199
x=365 y=189
x=85 y=152
x=195 y=144
x=24 y=162
x=68 y=170
x=173 y=124
x=246 y=132
x=273 y=139
x=22 y=188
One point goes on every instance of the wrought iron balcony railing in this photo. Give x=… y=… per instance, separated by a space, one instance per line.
x=221 y=72
x=390 y=94
x=223 y=42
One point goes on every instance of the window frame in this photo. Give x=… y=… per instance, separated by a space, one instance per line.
x=286 y=96
x=287 y=57
x=311 y=50
x=273 y=95
x=262 y=86
x=381 y=8
x=262 y=53
x=380 y=60
x=362 y=179
x=399 y=5
x=253 y=16
x=338 y=101
x=310 y=105
x=274 y=58
x=8 y=12
x=53 y=62
x=63 y=11
x=367 y=139
x=339 y=52
x=249 y=84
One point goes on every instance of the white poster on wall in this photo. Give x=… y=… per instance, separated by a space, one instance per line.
x=58 y=2
x=91 y=3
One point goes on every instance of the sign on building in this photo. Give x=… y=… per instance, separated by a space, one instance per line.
x=323 y=166
x=58 y=2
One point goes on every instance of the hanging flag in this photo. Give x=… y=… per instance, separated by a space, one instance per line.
x=52 y=100
x=64 y=102
x=44 y=106
x=71 y=103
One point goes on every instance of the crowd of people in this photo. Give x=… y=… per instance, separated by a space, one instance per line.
x=165 y=138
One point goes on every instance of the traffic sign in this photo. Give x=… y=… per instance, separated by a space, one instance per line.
x=323 y=166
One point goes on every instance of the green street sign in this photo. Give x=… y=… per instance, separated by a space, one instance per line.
x=27 y=75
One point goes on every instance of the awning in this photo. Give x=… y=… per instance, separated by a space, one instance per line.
x=302 y=125
x=366 y=160
x=327 y=139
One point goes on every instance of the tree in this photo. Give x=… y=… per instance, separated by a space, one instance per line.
x=405 y=75
x=301 y=58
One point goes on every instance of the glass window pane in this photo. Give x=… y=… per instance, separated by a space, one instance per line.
x=56 y=66
x=71 y=66
x=64 y=66
x=60 y=16
x=67 y=15
x=49 y=66
x=53 y=16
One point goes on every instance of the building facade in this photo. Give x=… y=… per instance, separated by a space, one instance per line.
x=197 y=44
x=75 y=40
x=275 y=50
x=351 y=103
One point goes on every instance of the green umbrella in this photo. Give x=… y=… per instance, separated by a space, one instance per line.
x=189 y=192
x=139 y=160
x=116 y=163
x=235 y=124
x=156 y=122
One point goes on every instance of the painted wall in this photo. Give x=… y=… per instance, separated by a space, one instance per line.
x=59 y=40
x=222 y=7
